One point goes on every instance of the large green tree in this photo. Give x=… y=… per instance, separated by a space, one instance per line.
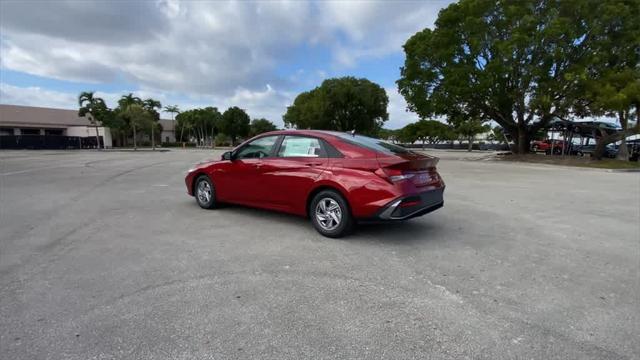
x=427 y=131
x=259 y=126
x=612 y=82
x=202 y=124
x=388 y=134
x=341 y=104
x=518 y=63
x=139 y=118
x=235 y=123
x=468 y=129
x=432 y=131
x=408 y=134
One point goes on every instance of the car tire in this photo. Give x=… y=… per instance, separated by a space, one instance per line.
x=204 y=192
x=330 y=214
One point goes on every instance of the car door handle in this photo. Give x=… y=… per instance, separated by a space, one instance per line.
x=313 y=164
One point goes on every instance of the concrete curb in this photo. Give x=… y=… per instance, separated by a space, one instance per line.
x=137 y=150
x=623 y=170
x=566 y=167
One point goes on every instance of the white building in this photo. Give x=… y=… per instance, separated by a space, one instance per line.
x=16 y=120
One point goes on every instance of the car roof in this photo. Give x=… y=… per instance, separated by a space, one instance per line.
x=317 y=133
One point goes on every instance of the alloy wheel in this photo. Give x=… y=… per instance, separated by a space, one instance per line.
x=204 y=192
x=328 y=214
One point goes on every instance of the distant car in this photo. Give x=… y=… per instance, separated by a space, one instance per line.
x=610 y=151
x=587 y=127
x=334 y=178
x=546 y=145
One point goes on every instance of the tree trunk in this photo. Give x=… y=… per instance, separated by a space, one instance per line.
x=470 y=148
x=153 y=137
x=623 y=152
x=522 y=141
x=135 y=143
x=422 y=144
x=97 y=138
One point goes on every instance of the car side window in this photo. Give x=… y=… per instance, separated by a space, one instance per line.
x=257 y=149
x=300 y=146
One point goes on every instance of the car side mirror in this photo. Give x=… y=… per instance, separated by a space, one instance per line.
x=227 y=155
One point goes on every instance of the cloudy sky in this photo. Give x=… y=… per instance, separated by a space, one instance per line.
x=255 y=55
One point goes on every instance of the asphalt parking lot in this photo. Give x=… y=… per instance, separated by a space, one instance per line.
x=103 y=255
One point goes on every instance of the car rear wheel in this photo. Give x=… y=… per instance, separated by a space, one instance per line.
x=330 y=214
x=205 y=193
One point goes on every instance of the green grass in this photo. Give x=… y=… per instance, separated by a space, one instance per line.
x=611 y=164
x=573 y=161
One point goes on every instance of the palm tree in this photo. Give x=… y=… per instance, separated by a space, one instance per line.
x=94 y=106
x=128 y=100
x=151 y=105
x=172 y=109
x=125 y=103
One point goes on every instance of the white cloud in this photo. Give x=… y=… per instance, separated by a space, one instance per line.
x=398 y=115
x=376 y=28
x=35 y=96
x=267 y=103
x=209 y=53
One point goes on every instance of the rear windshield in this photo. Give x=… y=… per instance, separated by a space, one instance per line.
x=372 y=144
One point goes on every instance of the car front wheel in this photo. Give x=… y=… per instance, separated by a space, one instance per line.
x=205 y=193
x=330 y=214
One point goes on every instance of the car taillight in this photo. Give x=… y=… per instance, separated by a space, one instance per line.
x=393 y=175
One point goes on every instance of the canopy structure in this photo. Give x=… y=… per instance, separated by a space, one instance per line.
x=584 y=129
x=568 y=131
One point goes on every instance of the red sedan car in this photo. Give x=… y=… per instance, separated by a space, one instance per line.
x=546 y=145
x=334 y=178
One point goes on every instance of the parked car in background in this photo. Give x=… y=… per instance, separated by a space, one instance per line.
x=610 y=151
x=587 y=126
x=555 y=147
x=334 y=178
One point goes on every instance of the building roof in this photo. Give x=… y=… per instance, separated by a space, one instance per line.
x=41 y=117
x=31 y=116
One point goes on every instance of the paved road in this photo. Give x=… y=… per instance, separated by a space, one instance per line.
x=103 y=255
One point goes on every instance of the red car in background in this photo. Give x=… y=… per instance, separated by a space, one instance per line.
x=334 y=178
x=546 y=145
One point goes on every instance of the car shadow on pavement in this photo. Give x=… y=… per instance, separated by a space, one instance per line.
x=408 y=232
x=264 y=214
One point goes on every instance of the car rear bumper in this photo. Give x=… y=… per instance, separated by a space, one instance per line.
x=412 y=206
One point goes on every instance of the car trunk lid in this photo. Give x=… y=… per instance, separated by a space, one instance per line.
x=417 y=168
